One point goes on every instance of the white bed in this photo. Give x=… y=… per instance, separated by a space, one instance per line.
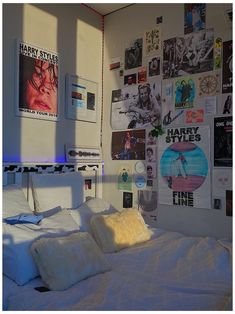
x=168 y=272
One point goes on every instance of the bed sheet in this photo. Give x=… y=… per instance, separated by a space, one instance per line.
x=169 y=272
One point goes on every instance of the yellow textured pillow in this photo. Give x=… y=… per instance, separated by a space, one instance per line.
x=119 y=230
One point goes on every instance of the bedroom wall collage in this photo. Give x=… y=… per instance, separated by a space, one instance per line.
x=74 y=33
x=189 y=180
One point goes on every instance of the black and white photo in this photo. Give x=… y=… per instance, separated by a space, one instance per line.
x=138 y=106
x=133 y=55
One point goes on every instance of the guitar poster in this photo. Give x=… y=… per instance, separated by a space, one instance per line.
x=136 y=106
x=128 y=145
x=184 y=167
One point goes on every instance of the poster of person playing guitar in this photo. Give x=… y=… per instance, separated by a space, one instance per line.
x=139 y=106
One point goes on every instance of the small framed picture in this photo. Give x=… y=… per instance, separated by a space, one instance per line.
x=81 y=98
x=127 y=199
x=75 y=154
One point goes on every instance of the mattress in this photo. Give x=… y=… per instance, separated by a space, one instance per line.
x=168 y=272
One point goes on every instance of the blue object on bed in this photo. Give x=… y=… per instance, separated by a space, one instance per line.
x=23 y=219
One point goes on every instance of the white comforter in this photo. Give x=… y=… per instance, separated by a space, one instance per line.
x=169 y=272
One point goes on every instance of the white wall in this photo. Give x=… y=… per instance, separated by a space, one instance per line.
x=75 y=33
x=121 y=28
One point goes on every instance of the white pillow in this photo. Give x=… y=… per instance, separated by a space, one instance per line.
x=18 y=263
x=64 y=261
x=14 y=201
x=57 y=189
x=119 y=230
x=83 y=213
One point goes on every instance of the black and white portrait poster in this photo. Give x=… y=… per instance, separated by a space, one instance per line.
x=223 y=140
x=128 y=145
x=227 y=70
x=184 y=167
x=133 y=55
x=37 y=82
x=190 y=54
x=136 y=106
x=153 y=41
x=170 y=64
x=130 y=79
x=154 y=66
x=147 y=203
x=194 y=17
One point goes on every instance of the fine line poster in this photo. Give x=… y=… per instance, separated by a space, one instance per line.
x=184 y=167
x=37 y=82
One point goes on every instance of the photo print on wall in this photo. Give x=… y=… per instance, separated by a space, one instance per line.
x=194 y=116
x=151 y=170
x=130 y=79
x=150 y=139
x=218 y=45
x=217 y=203
x=36 y=82
x=128 y=145
x=170 y=116
x=226 y=105
x=127 y=200
x=185 y=91
x=136 y=106
x=133 y=55
x=142 y=75
x=151 y=153
x=194 y=17
x=124 y=178
x=154 y=66
x=190 y=54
